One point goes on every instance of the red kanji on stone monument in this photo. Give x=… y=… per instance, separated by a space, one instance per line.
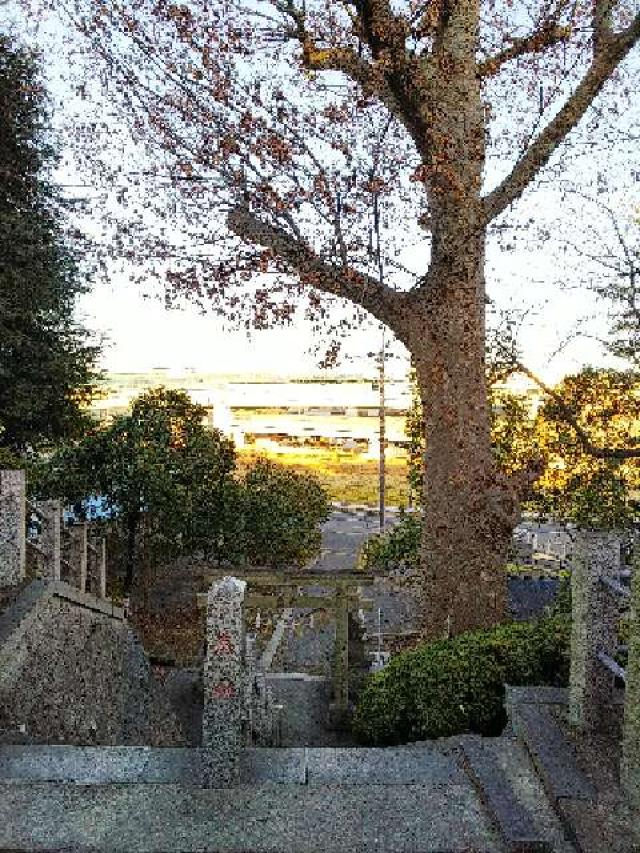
x=224 y=690
x=223 y=645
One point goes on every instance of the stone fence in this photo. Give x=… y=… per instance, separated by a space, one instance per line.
x=55 y=553
x=600 y=591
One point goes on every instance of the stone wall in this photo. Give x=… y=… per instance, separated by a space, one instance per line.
x=72 y=671
x=631 y=727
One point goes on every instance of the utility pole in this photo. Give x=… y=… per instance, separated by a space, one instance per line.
x=381 y=463
x=378 y=258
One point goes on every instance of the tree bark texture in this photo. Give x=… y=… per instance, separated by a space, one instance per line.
x=469 y=510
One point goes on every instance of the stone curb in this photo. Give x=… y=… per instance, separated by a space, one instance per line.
x=514 y=821
x=366 y=509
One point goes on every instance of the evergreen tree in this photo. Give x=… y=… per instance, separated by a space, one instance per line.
x=163 y=475
x=168 y=482
x=46 y=362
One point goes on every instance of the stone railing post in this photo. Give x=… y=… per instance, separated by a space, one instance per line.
x=224 y=685
x=102 y=567
x=630 y=769
x=260 y=706
x=594 y=629
x=340 y=706
x=13 y=541
x=78 y=543
x=97 y=567
x=50 y=538
x=249 y=688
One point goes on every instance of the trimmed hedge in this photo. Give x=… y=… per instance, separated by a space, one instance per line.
x=453 y=686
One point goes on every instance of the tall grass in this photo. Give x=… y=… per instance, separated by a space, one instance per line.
x=347 y=476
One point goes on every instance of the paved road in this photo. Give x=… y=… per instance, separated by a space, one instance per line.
x=343 y=534
x=345 y=531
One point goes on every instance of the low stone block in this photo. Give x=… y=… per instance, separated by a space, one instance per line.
x=284 y=766
x=552 y=753
x=377 y=766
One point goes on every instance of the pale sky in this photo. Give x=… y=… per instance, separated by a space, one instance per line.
x=143 y=334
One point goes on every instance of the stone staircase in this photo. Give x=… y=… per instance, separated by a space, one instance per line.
x=533 y=789
x=459 y=794
x=580 y=773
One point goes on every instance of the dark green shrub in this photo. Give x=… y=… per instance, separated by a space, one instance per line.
x=398 y=546
x=562 y=601
x=281 y=511
x=453 y=686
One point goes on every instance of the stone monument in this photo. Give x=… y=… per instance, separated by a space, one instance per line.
x=224 y=687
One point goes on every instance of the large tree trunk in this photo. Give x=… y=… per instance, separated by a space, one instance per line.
x=469 y=509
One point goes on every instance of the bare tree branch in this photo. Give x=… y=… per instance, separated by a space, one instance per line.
x=549 y=33
x=569 y=418
x=602 y=28
x=378 y=299
x=370 y=79
x=393 y=74
x=541 y=150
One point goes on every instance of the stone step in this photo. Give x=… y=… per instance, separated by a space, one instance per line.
x=553 y=755
x=109 y=765
x=382 y=766
x=488 y=786
x=302 y=819
x=514 y=795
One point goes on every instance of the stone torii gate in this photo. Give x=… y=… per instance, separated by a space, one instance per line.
x=284 y=590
